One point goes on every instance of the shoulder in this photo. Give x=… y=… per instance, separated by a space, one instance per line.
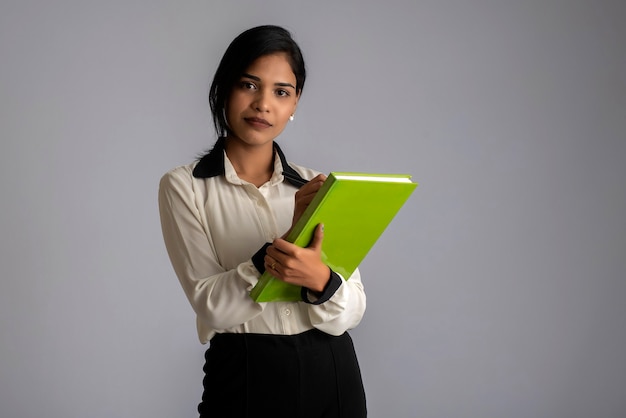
x=181 y=176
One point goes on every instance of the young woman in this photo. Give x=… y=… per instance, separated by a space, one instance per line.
x=223 y=217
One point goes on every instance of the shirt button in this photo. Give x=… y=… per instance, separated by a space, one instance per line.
x=287 y=312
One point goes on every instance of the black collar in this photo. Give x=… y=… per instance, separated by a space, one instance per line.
x=212 y=164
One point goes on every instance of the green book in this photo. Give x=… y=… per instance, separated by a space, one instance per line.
x=355 y=209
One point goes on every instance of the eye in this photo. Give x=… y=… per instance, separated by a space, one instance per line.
x=282 y=93
x=247 y=85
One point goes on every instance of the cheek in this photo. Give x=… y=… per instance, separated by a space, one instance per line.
x=284 y=116
x=233 y=108
x=232 y=103
x=291 y=108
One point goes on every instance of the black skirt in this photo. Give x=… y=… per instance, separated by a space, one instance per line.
x=308 y=375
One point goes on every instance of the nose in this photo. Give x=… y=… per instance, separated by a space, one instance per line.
x=260 y=103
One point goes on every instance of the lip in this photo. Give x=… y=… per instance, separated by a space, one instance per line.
x=258 y=122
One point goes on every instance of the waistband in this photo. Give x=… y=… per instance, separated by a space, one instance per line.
x=308 y=338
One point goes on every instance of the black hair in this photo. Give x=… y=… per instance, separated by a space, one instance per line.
x=240 y=54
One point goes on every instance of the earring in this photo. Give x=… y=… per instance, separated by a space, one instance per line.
x=291 y=118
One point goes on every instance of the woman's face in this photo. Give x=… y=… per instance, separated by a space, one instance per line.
x=262 y=100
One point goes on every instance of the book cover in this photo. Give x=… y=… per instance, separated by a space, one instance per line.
x=355 y=209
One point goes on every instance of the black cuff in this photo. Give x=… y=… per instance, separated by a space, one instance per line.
x=329 y=290
x=258 y=259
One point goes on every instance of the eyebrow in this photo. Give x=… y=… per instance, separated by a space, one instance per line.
x=255 y=78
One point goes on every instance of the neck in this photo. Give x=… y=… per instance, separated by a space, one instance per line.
x=253 y=163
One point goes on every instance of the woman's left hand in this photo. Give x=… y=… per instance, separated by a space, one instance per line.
x=297 y=265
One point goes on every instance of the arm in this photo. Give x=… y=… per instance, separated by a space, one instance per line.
x=335 y=305
x=218 y=296
x=343 y=310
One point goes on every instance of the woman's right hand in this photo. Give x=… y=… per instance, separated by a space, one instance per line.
x=304 y=196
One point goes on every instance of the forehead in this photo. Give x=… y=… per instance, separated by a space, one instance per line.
x=274 y=68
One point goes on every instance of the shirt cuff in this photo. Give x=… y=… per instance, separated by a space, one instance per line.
x=331 y=287
x=258 y=259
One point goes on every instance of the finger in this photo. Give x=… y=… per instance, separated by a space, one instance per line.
x=272 y=256
x=273 y=253
x=281 y=248
x=271 y=264
x=320 y=177
x=317 y=181
x=314 y=184
x=309 y=192
x=305 y=199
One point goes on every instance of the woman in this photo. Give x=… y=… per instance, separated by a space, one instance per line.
x=223 y=218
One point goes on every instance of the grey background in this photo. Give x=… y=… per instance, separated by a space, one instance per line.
x=499 y=289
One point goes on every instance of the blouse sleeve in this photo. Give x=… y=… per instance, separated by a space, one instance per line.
x=343 y=310
x=209 y=288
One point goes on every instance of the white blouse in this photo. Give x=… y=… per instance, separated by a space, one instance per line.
x=212 y=226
